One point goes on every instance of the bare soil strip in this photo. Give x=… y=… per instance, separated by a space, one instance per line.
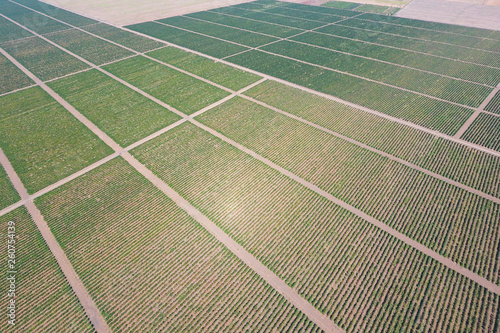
x=480 y=109
x=74 y=281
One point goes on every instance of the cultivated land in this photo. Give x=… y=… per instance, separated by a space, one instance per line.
x=267 y=166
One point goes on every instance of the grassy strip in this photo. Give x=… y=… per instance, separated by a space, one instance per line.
x=191 y=282
x=213 y=47
x=217 y=72
x=125 y=115
x=485 y=131
x=89 y=47
x=11 y=31
x=418 y=109
x=11 y=77
x=43 y=59
x=350 y=270
x=177 y=89
x=57 y=13
x=9 y=194
x=123 y=37
x=44 y=300
x=43 y=141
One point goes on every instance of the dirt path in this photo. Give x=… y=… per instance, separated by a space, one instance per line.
x=74 y=281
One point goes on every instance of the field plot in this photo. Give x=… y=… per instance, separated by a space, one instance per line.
x=342 y=5
x=359 y=276
x=177 y=89
x=377 y=9
x=90 y=48
x=216 y=72
x=183 y=278
x=42 y=58
x=44 y=300
x=485 y=130
x=494 y=104
x=9 y=194
x=122 y=37
x=405 y=199
x=11 y=31
x=11 y=77
x=465 y=165
x=43 y=141
x=116 y=109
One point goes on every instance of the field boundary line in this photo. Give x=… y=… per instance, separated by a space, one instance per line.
x=272 y=279
x=88 y=305
x=333 y=98
x=393 y=232
x=377 y=151
x=478 y=111
x=18 y=90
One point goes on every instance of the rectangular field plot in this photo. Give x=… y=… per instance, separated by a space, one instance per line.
x=210 y=46
x=243 y=23
x=428 y=210
x=43 y=141
x=125 y=115
x=177 y=89
x=485 y=131
x=449 y=89
x=494 y=104
x=37 y=22
x=219 y=31
x=458 y=162
x=11 y=77
x=360 y=43
x=89 y=47
x=9 y=194
x=323 y=10
x=290 y=12
x=128 y=241
x=421 y=110
x=217 y=72
x=44 y=300
x=43 y=59
x=341 y=5
x=357 y=275
x=57 y=13
x=11 y=31
x=123 y=37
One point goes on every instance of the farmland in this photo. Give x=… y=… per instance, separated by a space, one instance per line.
x=262 y=167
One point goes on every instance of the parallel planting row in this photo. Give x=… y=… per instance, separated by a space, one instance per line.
x=183 y=278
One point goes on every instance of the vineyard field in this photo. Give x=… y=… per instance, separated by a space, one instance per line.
x=485 y=131
x=460 y=163
x=339 y=262
x=190 y=283
x=43 y=59
x=58 y=13
x=421 y=110
x=10 y=31
x=245 y=38
x=44 y=300
x=342 y=5
x=113 y=107
x=207 y=45
x=9 y=194
x=88 y=47
x=11 y=77
x=494 y=104
x=43 y=141
x=128 y=39
x=305 y=15
x=216 y=72
x=324 y=10
x=177 y=89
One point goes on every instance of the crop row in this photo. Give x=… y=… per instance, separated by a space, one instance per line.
x=445 y=218
x=421 y=110
x=150 y=267
x=43 y=141
x=11 y=31
x=57 y=13
x=42 y=58
x=358 y=42
x=183 y=92
x=225 y=75
x=458 y=162
x=125 y=115
x=44 y=300
x=449 y=89
x=37 y=22
x=494 y=104
x=355 y=273
x=91 y=48
x=9 y=194
x=207 y=45
x=11 y=77
x=485 y=131
x=233 y=35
